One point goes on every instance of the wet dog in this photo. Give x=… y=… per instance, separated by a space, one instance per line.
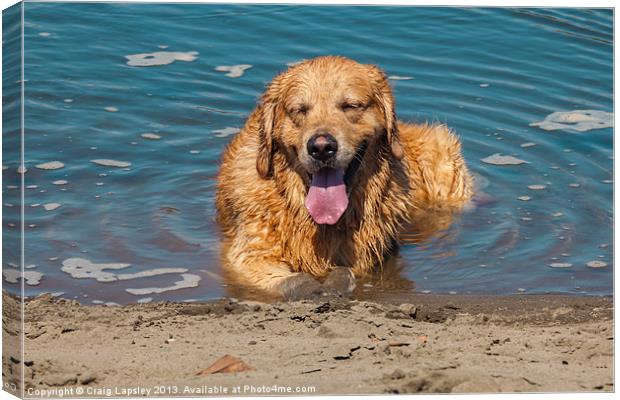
x=316 y=187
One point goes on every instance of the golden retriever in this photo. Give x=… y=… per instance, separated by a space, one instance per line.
x=322 y=178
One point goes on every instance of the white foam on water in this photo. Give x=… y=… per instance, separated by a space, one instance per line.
x=150 y=136
x=189 y=281
x=50 y=165
x=111 y=163
x=483 y=85
x=577 y=120
x=537 y=187
x=68 y=100
x=560 y=265
x=51 y=206
x=160 y=58
x=60 y=182
x=524 y=198
x=596 y=264
x=32 y=278
x=400 y=78
x=145 y=300
x=226 y=132
x=45 y=34
x=234 y=71
x=111 y=109
x=32 y=187
x=528 y=144
x=293 y=63
x=194 y=152
x=498 y=159
x=82 y=268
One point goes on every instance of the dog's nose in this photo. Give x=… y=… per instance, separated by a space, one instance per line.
x=322 y=146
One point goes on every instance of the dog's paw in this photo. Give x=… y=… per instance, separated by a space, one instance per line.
x=340 y=281
x=300 y=286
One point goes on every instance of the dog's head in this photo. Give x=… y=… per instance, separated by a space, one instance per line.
x=323 y=114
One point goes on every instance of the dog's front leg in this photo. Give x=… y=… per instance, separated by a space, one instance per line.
x=264 y=270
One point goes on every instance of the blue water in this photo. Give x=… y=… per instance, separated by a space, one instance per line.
x=487 y=73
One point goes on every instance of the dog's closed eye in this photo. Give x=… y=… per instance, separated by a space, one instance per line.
x=352 y=106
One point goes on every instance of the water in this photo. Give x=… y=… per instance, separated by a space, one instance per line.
x=488 y=73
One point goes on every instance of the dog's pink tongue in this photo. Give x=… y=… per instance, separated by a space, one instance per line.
x=327 y=198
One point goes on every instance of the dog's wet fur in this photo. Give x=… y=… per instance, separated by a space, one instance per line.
x=395 y=174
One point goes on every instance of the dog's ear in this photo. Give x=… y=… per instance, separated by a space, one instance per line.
x=264 y=158
x=268 y=114
x=385 y=99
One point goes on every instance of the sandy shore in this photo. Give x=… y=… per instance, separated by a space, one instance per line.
x=415 y=343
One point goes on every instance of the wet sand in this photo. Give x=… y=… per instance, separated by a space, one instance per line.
x=405 y=344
